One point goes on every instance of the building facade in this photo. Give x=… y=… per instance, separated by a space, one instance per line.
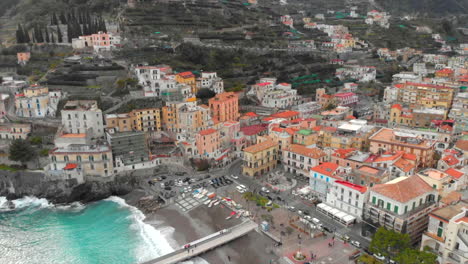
x=260 y=158
x=83 y=116
x=348 y=197
x=224 y=107
x=299 y=159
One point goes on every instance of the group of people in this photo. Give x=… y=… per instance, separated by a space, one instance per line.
x=189 y=248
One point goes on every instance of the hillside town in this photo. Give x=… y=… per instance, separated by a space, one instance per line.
x=340 y=163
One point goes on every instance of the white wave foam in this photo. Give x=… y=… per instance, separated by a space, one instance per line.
x=75 y=206
x=31 y=201
x=157 y=242
x=3 y=202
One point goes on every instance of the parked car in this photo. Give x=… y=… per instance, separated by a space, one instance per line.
x=234 y=176
x=379 y=256
x=315 y=220
x=240 y=189
x=291 y=208
x=355 y=243
x=265 y=189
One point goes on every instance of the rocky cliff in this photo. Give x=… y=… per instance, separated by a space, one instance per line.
x=14 y=185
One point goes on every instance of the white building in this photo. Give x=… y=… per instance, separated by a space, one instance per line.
x=348 y=197
x=447 y=233
x=300 y=159
x=308 y=109
x=274 y=95
x=401 y=205
x=210 y=80
x=82 y=116
x=360 y=73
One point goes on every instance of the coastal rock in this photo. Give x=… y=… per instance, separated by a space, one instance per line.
x=18 y=184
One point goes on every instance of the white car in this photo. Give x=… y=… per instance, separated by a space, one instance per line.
x=240 y=189
x=242 y=186
x=316 y=221
x=235 y=177
x=379 y=256
x=300 y=212
x=356 y=243
x=265 y=190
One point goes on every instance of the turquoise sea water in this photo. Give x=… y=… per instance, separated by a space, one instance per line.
x=107 y=231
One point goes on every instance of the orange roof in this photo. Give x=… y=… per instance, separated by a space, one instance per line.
x=314 y=153
x=251 y=114
x=286 y=114
x=454 y=173
x=82 y=135
x=463 y=219
x=385 y=135
x=404 y=190
x=452 y=197
x=191 y=99
x=261 y=146
x=450 y=160
x=187 y=74
x=359 y=188
x=398 y=106
x=343 y=153
x=207 y=131
x=350 y=117
x=387 y=156
x=326 y=168
x=445 y=70
x=70 y=166
x=404 y=165
x=263 y=83
x=462 y=144
x=224 y=96
x=410 y=156
x=368 y=169
x=399 y=85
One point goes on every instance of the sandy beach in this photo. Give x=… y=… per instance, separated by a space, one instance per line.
x=203 y=221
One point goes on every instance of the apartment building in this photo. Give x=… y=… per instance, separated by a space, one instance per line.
x=10 y=131
x=459 y=112
x=401 y=205
x=82 y=116
x=387 y=139
x=210 y=80
x=348 y=197
x=447 y=233
x=148 y=120
x=93 y=160
x=321 y=178
x=260 y=158
x=224 y=107
x=422 y=95
x=300 y=159
x=33 y=102
x=208 y=143
x=129 y=148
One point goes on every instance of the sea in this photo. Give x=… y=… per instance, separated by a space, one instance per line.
x=108 y=232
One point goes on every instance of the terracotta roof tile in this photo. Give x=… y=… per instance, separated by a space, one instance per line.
x=404 y=190
x=326 y=168
x=261 y=146
x=454 y=173
x=450 y=160
x=314 y=153
x=404 y=165
x=462 y=144
x=207 y=131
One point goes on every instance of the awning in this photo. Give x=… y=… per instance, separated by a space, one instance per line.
x=70 y=166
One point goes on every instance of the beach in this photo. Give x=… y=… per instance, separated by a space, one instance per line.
x=202 y=221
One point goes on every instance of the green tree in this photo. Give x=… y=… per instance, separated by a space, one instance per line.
x=389 y=243
x=414 y=256
x=35 y=140
x=330 y=106
x=22 y=151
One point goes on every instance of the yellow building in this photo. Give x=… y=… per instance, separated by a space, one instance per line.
x=401 y=116
x=305 y=137
x=260 y=158
x=93 y=160
x=422 y=95
x=187 y=78
x=148 y=119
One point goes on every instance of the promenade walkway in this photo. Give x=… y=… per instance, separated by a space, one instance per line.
x=202 y=245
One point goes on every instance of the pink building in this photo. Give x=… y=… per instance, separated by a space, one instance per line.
x=208 y=143
x=345 y=99
x=23 y=57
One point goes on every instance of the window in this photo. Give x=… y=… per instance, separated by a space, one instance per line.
x=54 y=159
x=374 y=200
x=91 y=158
x=65 y=158
x=78 y=158
x=406 y=209
x=395 y=209
x=389 y=205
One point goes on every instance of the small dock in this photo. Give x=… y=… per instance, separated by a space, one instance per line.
x=205 y=244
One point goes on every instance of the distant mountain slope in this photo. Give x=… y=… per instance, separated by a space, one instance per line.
x=425 y=7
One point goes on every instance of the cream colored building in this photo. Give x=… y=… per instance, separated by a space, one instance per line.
x=260 y=158
x=82 y=116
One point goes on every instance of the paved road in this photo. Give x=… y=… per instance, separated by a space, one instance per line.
x=183 y=254
x=354 y=232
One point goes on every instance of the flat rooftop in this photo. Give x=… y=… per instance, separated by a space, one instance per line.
x=81 y=105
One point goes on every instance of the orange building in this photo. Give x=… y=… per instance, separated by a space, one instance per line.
x=224 y=107
x=148 y=119
x=387 y=139
x=23 y=57
x=445 y=73
x=208 y=143
x=187 y=78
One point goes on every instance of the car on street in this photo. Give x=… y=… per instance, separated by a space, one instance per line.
x=265 y=189
x=291 y=208
x=315 y=220
x=300 y=212
x=235 y=177
x=379 y=256
x=355 y=243
x=243 y=186
x=240 y=189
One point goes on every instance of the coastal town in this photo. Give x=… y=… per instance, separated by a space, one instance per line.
x=322 y=146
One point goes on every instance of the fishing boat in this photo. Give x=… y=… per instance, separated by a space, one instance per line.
x=207 y=202
x=217 y=202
